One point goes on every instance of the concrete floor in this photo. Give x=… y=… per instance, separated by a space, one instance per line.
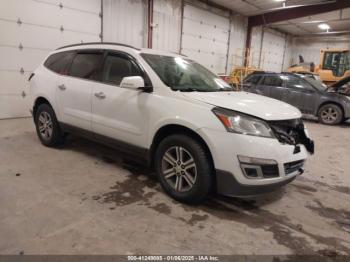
x=82 y=199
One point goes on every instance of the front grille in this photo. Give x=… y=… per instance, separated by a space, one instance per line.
x=293 y=166
x=270 y=171
x=292 y=132
x=288 y=131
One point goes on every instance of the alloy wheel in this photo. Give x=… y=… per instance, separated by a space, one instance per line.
x=179 y=169
x=329 y=115
x=45 y=125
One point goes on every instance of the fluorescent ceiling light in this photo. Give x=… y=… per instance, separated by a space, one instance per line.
x=312 y=22
x=324 y=26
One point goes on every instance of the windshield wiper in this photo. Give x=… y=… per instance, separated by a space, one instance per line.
x=191 y=89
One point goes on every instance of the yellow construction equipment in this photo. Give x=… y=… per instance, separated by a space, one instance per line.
x=334 y=65
x=239 y=72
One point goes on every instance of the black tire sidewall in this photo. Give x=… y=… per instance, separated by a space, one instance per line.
x=335 y=107
x=203 y=183
x=56 y=138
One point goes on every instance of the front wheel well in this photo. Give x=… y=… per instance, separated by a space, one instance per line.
x=39 y=101
x=172 y=129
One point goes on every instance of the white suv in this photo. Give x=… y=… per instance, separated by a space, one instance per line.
x=173 y=114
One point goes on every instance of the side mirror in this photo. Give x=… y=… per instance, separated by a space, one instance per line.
x=136 y=83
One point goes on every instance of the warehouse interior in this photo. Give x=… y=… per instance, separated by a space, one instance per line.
x=86 y=199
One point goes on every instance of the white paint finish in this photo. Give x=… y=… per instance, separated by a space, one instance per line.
x=167 y=25
x=125 y=21
x=251 y=104
x=74 y=102
x=38 y=33
x=135 y=117
x=237 y=41
x=273 y=51
x=205 y=37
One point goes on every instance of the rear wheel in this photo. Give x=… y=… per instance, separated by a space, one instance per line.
x=330 y=114
x=47 y=126
x=183 y=168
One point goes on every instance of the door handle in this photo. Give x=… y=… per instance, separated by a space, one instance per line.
x=100 y=95
x=62 y=87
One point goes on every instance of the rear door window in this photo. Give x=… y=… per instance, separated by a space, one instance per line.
x=272 y=81
x=59 y=62
x=85 y=65
x=252 y=79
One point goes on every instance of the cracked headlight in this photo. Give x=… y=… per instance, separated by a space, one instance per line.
x=243 y=124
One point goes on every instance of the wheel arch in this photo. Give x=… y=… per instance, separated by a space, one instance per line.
x=38 y=101
x=171 y=129
x=331 y=103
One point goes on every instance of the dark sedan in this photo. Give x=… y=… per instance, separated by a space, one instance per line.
x=330 y=105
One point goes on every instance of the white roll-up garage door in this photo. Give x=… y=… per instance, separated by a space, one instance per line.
x=29 y=30
x=205 y=37
x=273 y=49
x=125 y=21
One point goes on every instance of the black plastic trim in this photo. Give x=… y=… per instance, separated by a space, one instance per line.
x=228 y=185
x=98 y=43
x=138 y=154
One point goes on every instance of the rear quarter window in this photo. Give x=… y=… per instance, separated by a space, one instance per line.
x=59 y=62
x=85 y=65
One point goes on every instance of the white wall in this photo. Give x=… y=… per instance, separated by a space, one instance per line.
x=255 y=47
x=205 y=37
x=310 y=48
x=238 y=38
x=167 y=16
x=125 y=21
x=273 y=50
x=38 y=26
x=288 y=55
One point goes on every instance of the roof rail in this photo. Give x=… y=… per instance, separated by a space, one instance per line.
x=98 y=43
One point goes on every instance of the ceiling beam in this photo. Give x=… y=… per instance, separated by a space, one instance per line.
x=288 y=14
x=297 y=12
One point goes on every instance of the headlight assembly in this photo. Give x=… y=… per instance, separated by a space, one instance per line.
x=243 y=124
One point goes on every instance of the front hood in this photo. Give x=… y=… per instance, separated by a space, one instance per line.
x=336 y=93
x=248 y=103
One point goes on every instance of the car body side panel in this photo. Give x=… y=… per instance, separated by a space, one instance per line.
x=330 y=97
x=308 y=101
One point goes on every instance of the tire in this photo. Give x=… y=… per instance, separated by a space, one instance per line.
x=191 y=181
x=330 y=114
x=47 y=126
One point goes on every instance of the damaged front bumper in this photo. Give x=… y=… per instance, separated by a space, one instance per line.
x=293 y=132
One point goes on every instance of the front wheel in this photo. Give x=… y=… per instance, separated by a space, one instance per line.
x=183 y=168
x=330 y=114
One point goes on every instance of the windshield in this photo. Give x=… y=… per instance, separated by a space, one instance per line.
x=315 y=83
x=185 y=75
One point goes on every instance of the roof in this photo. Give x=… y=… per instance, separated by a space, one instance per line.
x=140 y=50
x=97 y=43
